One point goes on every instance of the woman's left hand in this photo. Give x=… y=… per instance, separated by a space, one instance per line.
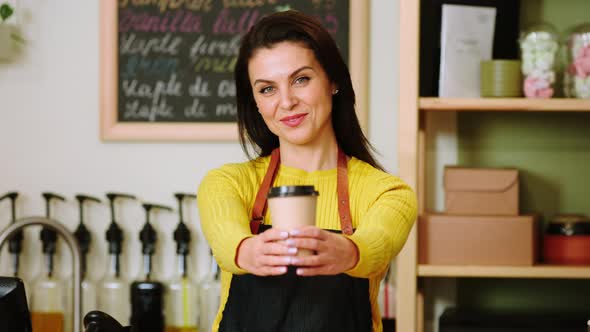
x=334 y=253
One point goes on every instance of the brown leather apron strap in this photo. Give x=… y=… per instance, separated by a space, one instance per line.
x=343 y=197
x=260 y=205
x=259 y=208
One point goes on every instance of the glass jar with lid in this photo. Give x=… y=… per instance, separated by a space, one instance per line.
x=539 y=45
x=577 y=71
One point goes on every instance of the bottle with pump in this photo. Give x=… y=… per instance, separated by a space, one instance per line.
x=49 y=295
x=210 y=294
x=113 y=290
x=182 y=293
x=147 y=294
x=84 y=239
x=15 y=241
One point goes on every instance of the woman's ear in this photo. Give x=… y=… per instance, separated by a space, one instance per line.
x=334 y=88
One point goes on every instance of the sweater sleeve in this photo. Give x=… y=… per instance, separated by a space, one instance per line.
x=384 y=228
x=224 y=216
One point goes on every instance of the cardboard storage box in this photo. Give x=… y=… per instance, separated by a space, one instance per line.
x=481 y=191
x=477 y=240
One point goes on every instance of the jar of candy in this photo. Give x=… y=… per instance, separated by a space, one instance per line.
x=565 y=61
x=539 y=47
x=577 y=72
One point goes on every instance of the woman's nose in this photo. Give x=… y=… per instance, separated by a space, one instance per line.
x=288 y=99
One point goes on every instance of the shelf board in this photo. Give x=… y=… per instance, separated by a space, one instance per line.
x=474 y=271
x=504 y=104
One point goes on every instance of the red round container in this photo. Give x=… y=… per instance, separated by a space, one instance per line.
x=567 y=240
x=567 y=250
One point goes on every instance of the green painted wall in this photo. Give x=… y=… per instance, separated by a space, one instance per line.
x=525 y=295
x=552 y=150
x=563 y=14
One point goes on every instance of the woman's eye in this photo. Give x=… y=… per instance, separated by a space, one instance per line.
x=302 y=80
x=266 y=90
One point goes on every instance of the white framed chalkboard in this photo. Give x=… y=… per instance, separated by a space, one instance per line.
x=166 y=67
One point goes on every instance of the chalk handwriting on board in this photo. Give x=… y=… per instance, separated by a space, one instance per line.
x=176 y=57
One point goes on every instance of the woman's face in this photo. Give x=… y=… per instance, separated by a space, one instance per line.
x=293 y=93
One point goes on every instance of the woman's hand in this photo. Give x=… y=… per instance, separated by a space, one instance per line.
x=265 y=254
x=334 y=253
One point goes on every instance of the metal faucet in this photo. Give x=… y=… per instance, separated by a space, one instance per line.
x=76 y=255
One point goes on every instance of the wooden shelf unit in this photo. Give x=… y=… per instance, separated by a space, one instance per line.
x=413 y=110
x=504 y=104
x=532 y=272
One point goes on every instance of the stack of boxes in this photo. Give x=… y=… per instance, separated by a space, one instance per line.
x=481 y=224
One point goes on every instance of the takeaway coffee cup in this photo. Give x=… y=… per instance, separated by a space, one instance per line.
x=291 y=207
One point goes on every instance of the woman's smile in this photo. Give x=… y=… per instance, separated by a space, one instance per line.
x=293 y=120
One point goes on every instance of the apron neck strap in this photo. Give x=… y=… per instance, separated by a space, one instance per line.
x=260 y=204
x=259 y=208
x=343 y=197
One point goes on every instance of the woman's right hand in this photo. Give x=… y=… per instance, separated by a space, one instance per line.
x=265 y=254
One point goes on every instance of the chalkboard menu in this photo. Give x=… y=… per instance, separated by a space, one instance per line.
x=176 y=58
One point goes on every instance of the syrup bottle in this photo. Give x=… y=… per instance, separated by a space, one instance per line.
x=113 y=289
x=84 y=240
x=48 y=296
x=147 y=294
x=182 y=314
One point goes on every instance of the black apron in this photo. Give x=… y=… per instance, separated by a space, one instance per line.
x=291 y=303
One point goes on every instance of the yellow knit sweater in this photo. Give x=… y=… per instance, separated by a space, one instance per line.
x=383 y=210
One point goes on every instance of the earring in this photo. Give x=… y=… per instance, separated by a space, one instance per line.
x=335 y=91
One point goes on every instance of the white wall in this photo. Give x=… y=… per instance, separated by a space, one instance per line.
x=49 y=135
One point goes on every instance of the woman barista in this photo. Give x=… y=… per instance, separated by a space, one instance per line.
x=296 y=110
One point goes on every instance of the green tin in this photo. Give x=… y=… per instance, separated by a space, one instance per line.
x=501 y=78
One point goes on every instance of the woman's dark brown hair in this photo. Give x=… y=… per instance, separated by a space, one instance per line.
x=297 y=27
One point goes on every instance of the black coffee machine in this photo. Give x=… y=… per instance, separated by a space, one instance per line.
x=14 y=311
x=15 y=315
x=98 y=321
